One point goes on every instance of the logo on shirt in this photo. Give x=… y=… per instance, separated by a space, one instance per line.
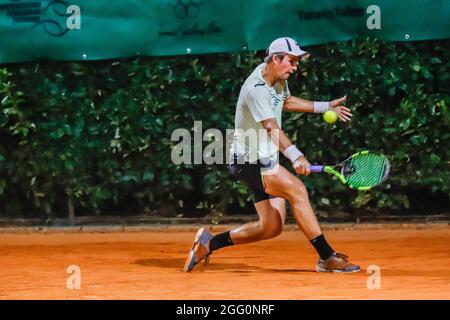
x=278 y=99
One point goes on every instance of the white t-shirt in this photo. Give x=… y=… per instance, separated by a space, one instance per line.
x=257 y=102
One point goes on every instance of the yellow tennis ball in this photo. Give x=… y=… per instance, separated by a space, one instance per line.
x=330 y=116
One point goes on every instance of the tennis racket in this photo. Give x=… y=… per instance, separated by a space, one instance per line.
x=362 y=171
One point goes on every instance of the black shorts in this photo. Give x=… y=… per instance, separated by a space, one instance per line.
x=250 y=175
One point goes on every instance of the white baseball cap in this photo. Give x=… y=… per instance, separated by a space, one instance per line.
x=286 y=45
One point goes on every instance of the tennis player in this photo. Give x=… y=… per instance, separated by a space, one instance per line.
x=263 y=97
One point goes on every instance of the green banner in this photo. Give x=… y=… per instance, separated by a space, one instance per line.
x=101 y=29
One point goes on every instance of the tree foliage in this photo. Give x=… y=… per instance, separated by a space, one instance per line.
x=98 y=134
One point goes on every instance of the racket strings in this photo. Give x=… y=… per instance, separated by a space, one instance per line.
x=366 y=170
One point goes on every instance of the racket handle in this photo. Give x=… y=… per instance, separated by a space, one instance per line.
x=316 y=168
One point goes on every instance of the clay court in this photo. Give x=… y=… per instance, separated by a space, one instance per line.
x=147 y=265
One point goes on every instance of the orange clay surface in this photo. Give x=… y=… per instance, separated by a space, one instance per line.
x=414 y=264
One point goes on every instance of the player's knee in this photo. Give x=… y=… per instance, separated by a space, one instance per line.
x=272 y=232
x=276 y=230
x=272 y=228
x=298 y=194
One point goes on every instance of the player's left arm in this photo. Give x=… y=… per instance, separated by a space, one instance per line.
x=295 y=104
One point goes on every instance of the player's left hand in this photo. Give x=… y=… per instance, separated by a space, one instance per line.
x=343 y=113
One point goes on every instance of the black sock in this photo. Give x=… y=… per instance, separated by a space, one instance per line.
x=322 y=247
x=220 y=240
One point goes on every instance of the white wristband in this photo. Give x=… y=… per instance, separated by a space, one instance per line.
x=321 y=107
x=292 y=153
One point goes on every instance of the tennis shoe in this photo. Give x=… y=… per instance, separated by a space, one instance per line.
x=199 y=251
x=337 y=262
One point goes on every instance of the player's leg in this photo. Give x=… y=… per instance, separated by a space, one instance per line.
x=272 y=214
x=271 y=210
x=280 y=182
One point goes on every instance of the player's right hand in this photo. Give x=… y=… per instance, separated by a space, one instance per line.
x=302 y=166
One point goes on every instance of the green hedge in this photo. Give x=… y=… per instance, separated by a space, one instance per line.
x=95 y=136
